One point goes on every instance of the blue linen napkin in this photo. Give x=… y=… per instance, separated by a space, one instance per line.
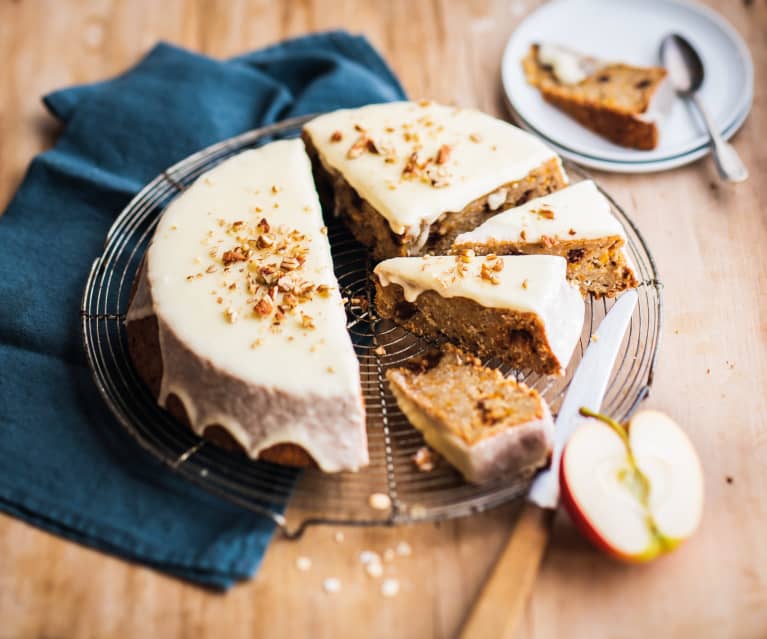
x=65 y=464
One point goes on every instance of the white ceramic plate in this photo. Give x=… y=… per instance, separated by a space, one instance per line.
x=631 y=31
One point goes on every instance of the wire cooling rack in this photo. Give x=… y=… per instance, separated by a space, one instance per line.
x=315 y=497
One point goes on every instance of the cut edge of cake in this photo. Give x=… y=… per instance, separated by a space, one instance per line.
x=486 y=426
x=520 y=309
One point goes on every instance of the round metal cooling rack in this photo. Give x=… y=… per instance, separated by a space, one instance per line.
x=315 y=497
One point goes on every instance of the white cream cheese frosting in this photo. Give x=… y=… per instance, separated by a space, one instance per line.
x=240 y=277
x=528 y=283
x=568 y=66
x=415 y=161
x=576 y=212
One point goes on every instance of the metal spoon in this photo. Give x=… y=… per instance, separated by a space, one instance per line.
x=685 y=71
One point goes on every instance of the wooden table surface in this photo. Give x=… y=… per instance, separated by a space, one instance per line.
x=709 y=241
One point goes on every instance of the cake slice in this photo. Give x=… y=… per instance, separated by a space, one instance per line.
x=520 y=309
x=408 y=177
x=487 y=426
x=620 y=102
x=237 y=324
x=575 y=223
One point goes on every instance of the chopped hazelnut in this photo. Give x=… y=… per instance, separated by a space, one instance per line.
x=263 y=307
x=443 y=155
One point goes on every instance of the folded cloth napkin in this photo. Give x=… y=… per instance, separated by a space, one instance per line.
x=67 y=466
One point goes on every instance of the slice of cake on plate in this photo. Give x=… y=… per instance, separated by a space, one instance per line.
x=487 y=426
x=236 y=322
x=620 y=102
x=520 y=309
x=575 y=223
x=408 y=177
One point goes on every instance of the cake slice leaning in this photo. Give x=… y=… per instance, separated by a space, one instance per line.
x=487 y=426
x=620 y=102
x=575 y=223
x=520 y=309
x=236 y=322
x=408 y=177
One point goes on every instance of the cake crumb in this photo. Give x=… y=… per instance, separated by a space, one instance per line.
x=303 y=563
x=389 y=588
x=380 y=350
x=424 y=459
x=331 y=585
x=379 y=501
x=594 y=337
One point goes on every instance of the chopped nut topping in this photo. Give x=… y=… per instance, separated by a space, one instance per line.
x=571 y=232
x=523 y=234
x=336 y=136
x=524 y=284
x=362 y=144
x=231 y=315
x=235 y=255
x=256 y=343
x=307 y=321
x=323 y=290
x=263 y=307
x=443 y=155
x=211 y=269
x=486 y=273
x=475 y=137
x=289 y=264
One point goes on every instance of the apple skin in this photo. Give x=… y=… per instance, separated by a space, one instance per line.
x=659 y=543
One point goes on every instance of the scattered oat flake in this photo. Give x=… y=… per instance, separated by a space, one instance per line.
x=389 y=588
x=403 y=549
x=331 y=585
x=379 y=501
x=303 y=563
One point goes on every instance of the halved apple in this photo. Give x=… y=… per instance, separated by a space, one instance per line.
x=635 y=491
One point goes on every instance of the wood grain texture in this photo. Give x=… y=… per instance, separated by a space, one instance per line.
x=502 y=601
x=710 y=244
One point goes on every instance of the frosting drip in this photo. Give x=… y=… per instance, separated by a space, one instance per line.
x=529 y=283
x=251 y=323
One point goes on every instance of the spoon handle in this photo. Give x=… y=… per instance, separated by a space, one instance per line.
x=726 y=158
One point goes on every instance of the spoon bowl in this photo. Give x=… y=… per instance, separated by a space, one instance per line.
x=684 y=66
x=686 y=74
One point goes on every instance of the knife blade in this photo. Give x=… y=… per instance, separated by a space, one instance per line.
x=587 y=388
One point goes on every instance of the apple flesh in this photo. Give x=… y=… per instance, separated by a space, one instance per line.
x=636 y=491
